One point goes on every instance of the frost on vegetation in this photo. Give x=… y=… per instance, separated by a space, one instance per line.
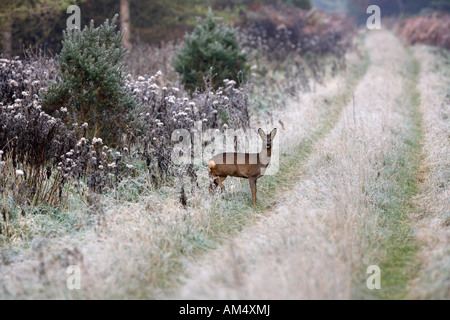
x=165 y=108
x=33 y=141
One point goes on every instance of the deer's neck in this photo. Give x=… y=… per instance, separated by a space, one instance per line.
x=264 y=156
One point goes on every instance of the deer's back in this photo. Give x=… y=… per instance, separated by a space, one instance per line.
x=237 y=165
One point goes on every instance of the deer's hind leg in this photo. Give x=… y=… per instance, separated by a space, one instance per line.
x=220 y=180
x=213 y=183
x=216 y=181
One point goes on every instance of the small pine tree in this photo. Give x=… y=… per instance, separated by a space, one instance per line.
x=303 y=4
x=92 y=81
x=211 y=45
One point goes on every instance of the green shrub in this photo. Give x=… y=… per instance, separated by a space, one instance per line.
x=303 y=4
x=91 y=82
x=214 y=45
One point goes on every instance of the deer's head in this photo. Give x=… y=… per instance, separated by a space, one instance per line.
x=267 y=138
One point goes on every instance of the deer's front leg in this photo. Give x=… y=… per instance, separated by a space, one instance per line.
x=253 y=188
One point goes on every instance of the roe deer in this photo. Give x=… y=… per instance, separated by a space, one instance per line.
x=244 y=165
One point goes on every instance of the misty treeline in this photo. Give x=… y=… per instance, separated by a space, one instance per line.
x=26 y=24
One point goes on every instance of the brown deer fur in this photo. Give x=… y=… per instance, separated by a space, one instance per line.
x=251 y=166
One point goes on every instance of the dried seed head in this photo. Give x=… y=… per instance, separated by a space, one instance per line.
x=97 y=140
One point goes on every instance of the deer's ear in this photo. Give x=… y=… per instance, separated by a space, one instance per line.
x=273 y=133
x=261 y=134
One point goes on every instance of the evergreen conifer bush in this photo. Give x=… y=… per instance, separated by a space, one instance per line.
x=92 y=81
x=214 y=45
x=303 y=4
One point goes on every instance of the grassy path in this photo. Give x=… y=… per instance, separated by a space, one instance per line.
x=402 y=169
x=431 y=222
x=415 y=211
